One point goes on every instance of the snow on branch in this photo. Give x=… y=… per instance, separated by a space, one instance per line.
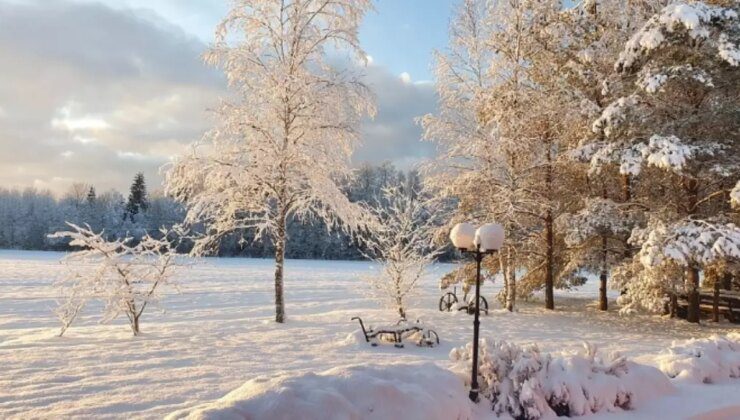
x=669 y=153
x=682 y=22
x=402 y=243
x=282 y=143
x=687 y=243
x=735 y=195
x=652 y=81
x=127 y=277
x=599 y=216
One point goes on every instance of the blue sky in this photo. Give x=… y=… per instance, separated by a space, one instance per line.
x=96 y=90
x=400 y=35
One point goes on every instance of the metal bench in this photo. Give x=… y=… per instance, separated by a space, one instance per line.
x=396 y=333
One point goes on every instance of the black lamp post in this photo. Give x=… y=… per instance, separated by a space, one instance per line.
x=481 y=242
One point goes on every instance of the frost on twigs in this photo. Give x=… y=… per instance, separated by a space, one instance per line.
x=126 y=276
x=525 y=383
x=402 y=244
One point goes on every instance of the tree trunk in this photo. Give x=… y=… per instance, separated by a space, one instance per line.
x=674 y=305
x=727 y=281
x=691 y=187
x=603 y=303
x=626 y=198
x=280 y=239
x=692 y=287
x=550 y=262
x=715 y=301
x=399 y=299
x=549 y=275
x=511 y=282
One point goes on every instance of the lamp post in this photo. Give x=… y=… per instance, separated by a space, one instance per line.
x=480 y=242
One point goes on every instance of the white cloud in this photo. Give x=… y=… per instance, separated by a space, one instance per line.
x=65 y=120
x=102 y=93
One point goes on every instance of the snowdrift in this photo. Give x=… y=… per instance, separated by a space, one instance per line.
x=422 y=391
x=708 y=360
x=524 y=383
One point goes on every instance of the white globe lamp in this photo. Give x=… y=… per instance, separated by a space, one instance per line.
x=463 y=236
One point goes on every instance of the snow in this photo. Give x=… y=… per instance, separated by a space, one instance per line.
x=709 y=360
x=525 y=382
x=735 y=195
x=218 y=333
x=415 y=391
x=696 y=19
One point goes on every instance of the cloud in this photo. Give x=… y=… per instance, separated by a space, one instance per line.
x=95 y=94
x=394 y=135
x=86 y=87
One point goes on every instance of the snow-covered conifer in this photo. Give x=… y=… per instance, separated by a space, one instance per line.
x=676 y=124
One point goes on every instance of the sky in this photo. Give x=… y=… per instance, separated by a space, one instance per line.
x=94 y=91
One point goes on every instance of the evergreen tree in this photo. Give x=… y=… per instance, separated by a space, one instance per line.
x=137 y=198
x=91 y=196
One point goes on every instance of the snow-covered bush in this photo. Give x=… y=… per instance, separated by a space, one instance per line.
x=126 y=277
x=527 y=384
x=422 y=391
x=708 y=360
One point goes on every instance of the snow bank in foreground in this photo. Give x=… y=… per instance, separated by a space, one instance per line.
x=708 y=360
x=422 y=391
x=524 y=383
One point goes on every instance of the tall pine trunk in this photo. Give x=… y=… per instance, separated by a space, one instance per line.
x=280 y=239
x=603 y=303
x=691 y=187
x=626 y=198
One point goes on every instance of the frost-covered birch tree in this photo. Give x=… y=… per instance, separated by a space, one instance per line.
x=283 y=141
x=127 y=277
x=402 y=243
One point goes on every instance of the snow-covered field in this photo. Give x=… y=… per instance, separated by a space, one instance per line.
x=217 y=333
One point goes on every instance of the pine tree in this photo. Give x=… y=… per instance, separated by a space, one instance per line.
x=675 y=127
x=137 y=198
x=91 y=196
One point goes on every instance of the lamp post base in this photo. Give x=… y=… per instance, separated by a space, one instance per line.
x=473 y=395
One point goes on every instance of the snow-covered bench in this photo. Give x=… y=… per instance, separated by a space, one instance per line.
x=396 y=333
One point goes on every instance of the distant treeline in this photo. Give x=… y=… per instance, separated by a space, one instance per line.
x=28 y=216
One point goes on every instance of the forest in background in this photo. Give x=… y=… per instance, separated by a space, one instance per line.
x=30 y=215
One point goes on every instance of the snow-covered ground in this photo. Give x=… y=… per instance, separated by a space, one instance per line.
x=217 y=333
